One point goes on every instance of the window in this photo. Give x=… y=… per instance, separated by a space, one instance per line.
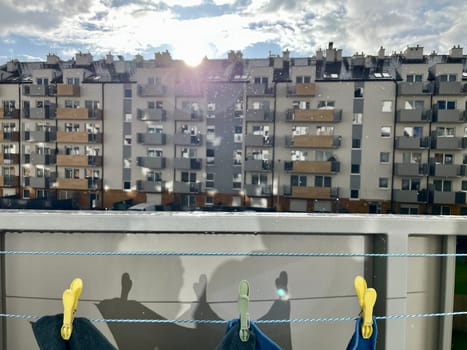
x=410 y=184
x=209 y=200
x=354 y=194
x=210 y=156
x=154 y=152
x=411 y=157
x=444 y=158
x=464 y=185
x=356 y=143
x=387 y=106
x=384 y=157
x=414 y=78
x=440 y=210
x=71 y=173
x=445 y=131
x=357 y=118
x=326 y=104
x=323 y=181
x=324 y=130
x=300 y=130
x=447 y=77
x=385 y=131
x=259 y=179
x=127 y=185
x=298 y=180
x=127 y=140
x=442 y=185
x=127 y=93
x=355 y=169
x=414 y=104
x=301 y=105
x=383 y=182
x=26 y=194
x=358 y=93
x=446 y=104
x=209 y=180
x=413 y=131
x=409 y=210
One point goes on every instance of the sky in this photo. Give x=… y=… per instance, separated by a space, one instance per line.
x=193 y=29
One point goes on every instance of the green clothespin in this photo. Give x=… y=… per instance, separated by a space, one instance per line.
x=243 y=300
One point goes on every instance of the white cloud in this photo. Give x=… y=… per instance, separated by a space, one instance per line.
x=301 y=26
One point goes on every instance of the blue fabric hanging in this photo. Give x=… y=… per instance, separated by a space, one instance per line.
x=85 y=335
x=357 y=342
x=257 y=340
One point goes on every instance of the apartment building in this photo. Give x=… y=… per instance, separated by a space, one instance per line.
x=361 y=134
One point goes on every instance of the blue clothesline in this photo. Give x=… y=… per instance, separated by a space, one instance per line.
x=297 y=320
x=225 y=253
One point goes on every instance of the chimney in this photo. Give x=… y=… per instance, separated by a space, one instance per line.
x=83 y=59
x=456 y=52
x=52 y=59
x=109 y=58
x=319 y=55
x=381 y=53
x=12 y=66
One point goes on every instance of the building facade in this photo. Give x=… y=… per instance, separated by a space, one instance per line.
x=358 y=134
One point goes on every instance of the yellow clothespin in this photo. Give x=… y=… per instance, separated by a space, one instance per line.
x=70 y=304
x=243 y=300
x=367 y=300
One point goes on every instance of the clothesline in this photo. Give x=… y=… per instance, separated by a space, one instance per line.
x=226 y=253
x=297 y=320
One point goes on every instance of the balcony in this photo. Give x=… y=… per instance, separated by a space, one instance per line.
x=447 y=170
x=440 y=197
x=409 y=169
x=78 y=113
x=40 y=159
x=405 y=142
x=9 y=158
x=9 y=181
x=312 y=167
x=11 y=136
x=258 y=165
x=151 y=162
x=308 y=192
x=182 y=115
x=410 y=196
x=302 y=89
x=258 y=140
x=448 y=88
x=78 y=160
x=258 y=190
x=150 y=186
x=36 y=90
x=78 y=137
x=9 y=113
x=314 y=115
x=79 y=184
x=188 y=140
x=412 y=116
x=151 y=138
x=448 y=143
x=152 y=90
x=259 y=115
x=415 y=88
x=313 y=141
x=184 y=89
x=188 y=163
x=68 y=90
x=47 y=112
x=40 y=182
x=259 y=90
x=40 y=136
x=151 y=114
x=449 y=116
x=187 y=187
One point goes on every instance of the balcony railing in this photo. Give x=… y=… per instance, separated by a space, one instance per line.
x=79 y=184
x=39 y=159
x=68 y=90
x=405 y=142
x=40 y=182
x=448 y=87
x=9 y=158
x=12 y=136
x=313 y=141
x=414 y=88
x=309 y=192
x=152 y=114
x=40 y=136
x=448 y=143
x=409 y=169
x=151 y=138
x=188 y=163
x=152 y=90
x=259 y=115
x=48 y=112
x=78 y=137
x=37 y=90
x=410 y=196
x=312 y=167
x=187 y=187
x=12 y=113
x=258 y=140
x=150 y=186
x=447 y=170
x=259 y=90
x=258 y=190
x=449 y=116
x=441 y=197
x=9 y=181
x=183 y=115
x=78 y=113
x=412 y=116
x=314 y=115
x=188 y=140
x=78 y=160
x=258 y=165
x=302 y=89
x=151 y=162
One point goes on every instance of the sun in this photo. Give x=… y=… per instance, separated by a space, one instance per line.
x=191 y=53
